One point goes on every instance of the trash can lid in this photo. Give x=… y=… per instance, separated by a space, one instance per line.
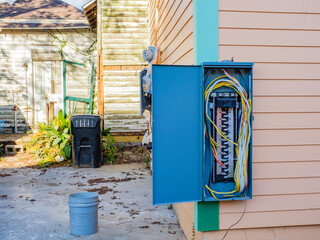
x=85 y=116
x=84 y=120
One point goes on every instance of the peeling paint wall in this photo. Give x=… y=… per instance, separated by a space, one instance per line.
x=124 y=37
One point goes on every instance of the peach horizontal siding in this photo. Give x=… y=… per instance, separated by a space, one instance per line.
x=286 y=6
x=280 y=170
x=268 y=20
x=282 y=38
x=272 y=218
x=261 y=37
x=265 y=54
x=281 y=88
x=286 y=104
x=275 y=203
x=184 y=212
x=273 y=121
x=175 y=28
x=291 y=153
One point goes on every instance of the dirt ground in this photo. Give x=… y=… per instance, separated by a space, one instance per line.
x=18 y=160
x=34 y=202
x=124 y=155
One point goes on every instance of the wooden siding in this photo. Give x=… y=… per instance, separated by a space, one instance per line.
x=175 y=38
x=124 y=37
x=283 y=41
x=16 y=49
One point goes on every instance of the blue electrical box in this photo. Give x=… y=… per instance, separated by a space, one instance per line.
x=202 y=132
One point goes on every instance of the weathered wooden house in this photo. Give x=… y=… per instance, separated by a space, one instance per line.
x=122 y=35
x=35 y=37
x=282 y=38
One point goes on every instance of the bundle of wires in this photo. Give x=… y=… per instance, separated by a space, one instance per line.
x=242 y=145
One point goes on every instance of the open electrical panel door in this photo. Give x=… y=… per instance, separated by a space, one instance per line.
x=176 y=133
x=202 y=129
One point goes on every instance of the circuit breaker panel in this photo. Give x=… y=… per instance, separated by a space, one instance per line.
x=202 y=132
x=223 y=107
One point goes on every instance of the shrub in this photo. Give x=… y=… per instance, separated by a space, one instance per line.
x=52 y=140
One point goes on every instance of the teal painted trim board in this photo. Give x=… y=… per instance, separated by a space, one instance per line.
x=205 y=31
x=206 y=48
x=206 y=216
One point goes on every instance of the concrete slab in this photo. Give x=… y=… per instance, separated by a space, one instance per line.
x=34 y=204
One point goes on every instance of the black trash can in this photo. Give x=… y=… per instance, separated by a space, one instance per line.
x=86 y=141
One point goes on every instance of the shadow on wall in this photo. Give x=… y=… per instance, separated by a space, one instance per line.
x=35 y=9
x=12 y=120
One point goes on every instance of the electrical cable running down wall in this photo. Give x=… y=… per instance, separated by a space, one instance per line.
x=228 y=129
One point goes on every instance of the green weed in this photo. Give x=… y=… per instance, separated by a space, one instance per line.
x=109 y=148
